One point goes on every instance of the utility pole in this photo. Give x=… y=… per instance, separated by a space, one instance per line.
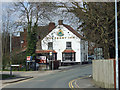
x=116 y=49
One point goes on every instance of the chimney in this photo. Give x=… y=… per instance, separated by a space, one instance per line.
x=60 y=22
x=51 y=26
x=25 y=30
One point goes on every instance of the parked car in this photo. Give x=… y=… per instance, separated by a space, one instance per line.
x=90 y=58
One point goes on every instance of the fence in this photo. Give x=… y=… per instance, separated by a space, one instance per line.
x=104 y=73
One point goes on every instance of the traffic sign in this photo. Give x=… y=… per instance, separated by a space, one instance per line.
x=28 y=57
x=15 y=65
x=50 y=53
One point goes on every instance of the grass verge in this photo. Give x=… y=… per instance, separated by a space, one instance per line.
x=5 y=76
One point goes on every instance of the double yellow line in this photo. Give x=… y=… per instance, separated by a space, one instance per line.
x=72 y=83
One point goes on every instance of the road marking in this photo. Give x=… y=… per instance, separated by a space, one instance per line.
x=74 y=80
x=71 y=82
x=76 y=85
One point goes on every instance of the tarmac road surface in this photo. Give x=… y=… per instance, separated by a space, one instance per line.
x=58 y=79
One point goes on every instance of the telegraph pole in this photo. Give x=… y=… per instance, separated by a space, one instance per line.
x=116 y=49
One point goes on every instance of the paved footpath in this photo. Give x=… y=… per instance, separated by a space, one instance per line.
x=23 y=75
x=83 y=82
x=88 y=80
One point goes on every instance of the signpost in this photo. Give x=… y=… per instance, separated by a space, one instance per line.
x=52 y=58
x=11 y=69
x=15 y=65
x=29 y=59
x=50 y=53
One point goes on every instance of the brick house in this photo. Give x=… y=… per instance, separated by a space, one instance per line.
x=15 y=43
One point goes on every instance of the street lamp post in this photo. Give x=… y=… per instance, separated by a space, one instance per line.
x=10 y=54
x=11 y=51
x=52 y=53
x=116 y=49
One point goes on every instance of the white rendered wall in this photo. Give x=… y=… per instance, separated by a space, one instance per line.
x=59 y=45
x=84 y=50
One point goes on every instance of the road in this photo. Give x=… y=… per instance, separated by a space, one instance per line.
x=59 y=79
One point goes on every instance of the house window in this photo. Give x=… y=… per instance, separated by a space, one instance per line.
x=22 y=41
x=50 y=45
x=84 y=47
x=68 y=56
x=68 y=45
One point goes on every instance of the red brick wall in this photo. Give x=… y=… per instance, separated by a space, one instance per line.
x=15 y=42
x=24 y=38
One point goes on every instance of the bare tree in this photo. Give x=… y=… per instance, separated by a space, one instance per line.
x=97 y=23
x=31 y=13
x=7 y=26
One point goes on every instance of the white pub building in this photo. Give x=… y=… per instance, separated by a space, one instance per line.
x=65 y=44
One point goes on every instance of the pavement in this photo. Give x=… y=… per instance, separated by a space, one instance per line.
x=88 y=83
x=81 y=82
x=24 y=75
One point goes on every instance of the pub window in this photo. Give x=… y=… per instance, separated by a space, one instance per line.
x=68 y=45
x=50 y=45
x=68 y=56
